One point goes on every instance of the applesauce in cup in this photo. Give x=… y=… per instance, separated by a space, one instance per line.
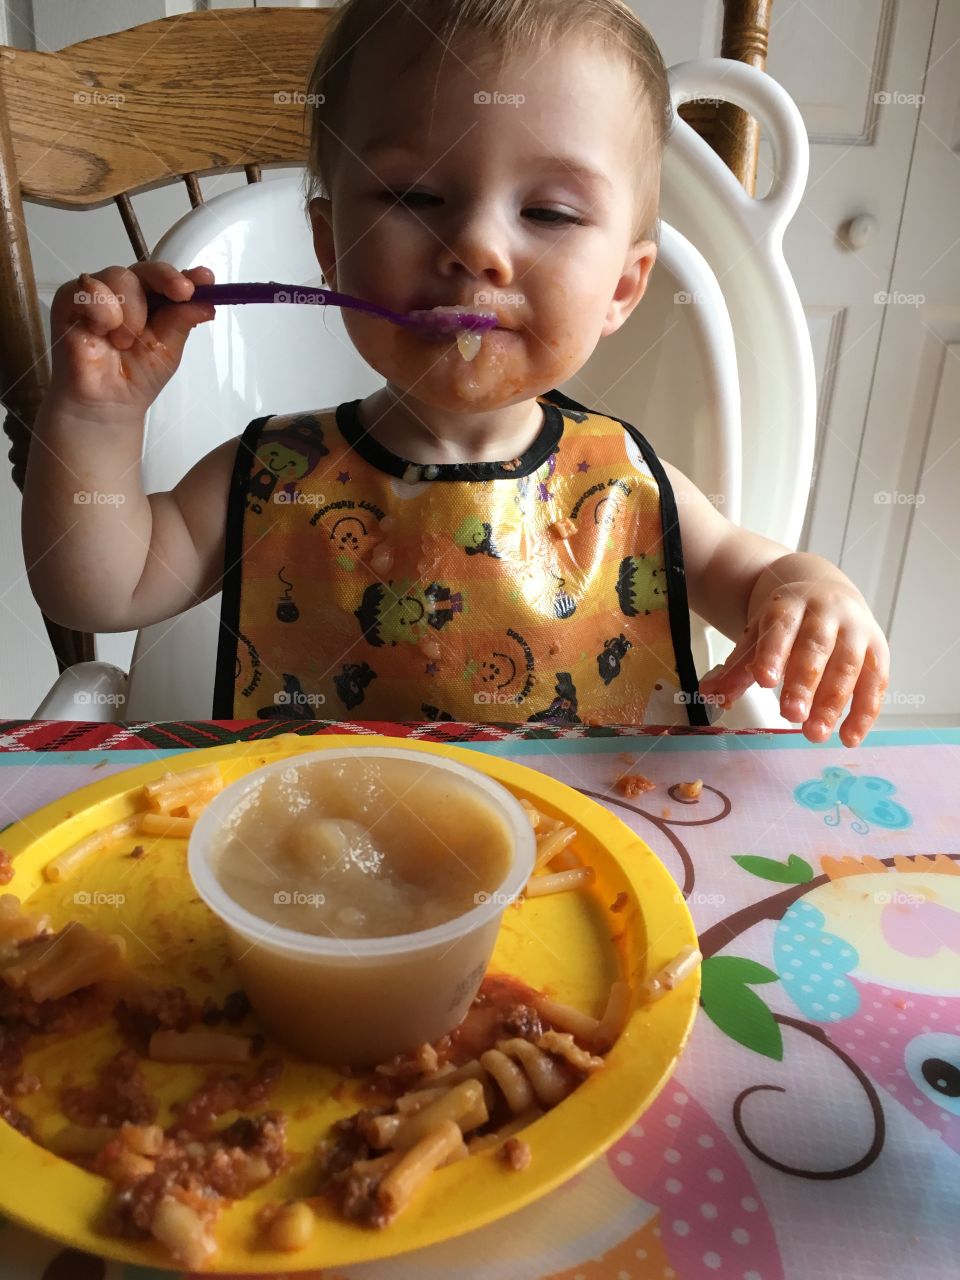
x=362 y=890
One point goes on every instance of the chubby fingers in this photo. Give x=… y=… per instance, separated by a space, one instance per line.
x=778 y=627
x=90 y=302
x=868 y=694
x=837 y=684
x=733 y=677
x=808 y=658
x=159 y=277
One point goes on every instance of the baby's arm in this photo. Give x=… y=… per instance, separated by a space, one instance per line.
x=794 y=616
x=101 y=554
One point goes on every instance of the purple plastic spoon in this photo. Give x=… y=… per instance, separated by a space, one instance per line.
x=430 y=323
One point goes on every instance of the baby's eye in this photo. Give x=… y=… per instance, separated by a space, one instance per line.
x=555 y=217
x=407 y=197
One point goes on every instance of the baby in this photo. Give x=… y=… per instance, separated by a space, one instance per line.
x=465 y=537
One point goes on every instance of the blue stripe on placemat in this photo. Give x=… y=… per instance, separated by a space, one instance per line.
x=554 y=746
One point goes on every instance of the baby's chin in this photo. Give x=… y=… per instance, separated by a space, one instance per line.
x=500 y=374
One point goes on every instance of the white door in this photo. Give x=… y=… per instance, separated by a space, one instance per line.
x=903 y=539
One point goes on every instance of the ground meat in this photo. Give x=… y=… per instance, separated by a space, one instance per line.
x=359 y=1201
x=234 y=1009
x=634 y=784
x=26 y=1083
x=166 y=1009
x=407 y=1066
x=12 y=1042
x=119 y=1094
x=201 y=1174
x=496 y=1007
x=133 y=1208
x=66 y=1015
x=23 y=1124
x=220 y=1093
x=263 y=1134
x=22 y=1017
x=345 y=1144
x=619 y=902
x=516 y=1154
x=521 y=1020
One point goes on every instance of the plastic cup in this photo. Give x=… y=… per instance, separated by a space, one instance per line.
x=361 y=1000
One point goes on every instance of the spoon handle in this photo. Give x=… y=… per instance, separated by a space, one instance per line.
x=271 y=291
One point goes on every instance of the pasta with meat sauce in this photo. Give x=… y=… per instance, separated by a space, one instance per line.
x=517 y=1054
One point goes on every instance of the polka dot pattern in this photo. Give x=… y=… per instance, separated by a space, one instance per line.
x=809 y=962
x=892 y=1038
x=713 y=1222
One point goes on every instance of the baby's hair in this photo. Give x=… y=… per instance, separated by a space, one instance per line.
x=501 y=29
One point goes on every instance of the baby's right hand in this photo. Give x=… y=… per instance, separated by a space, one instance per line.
x=106 y=354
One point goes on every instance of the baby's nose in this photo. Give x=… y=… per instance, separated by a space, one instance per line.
x=477 y=246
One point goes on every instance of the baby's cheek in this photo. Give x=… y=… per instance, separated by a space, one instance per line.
x=556 y=356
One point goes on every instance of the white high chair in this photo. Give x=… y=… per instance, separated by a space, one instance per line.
x=715 y=367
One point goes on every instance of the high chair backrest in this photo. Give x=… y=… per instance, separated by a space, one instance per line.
x=672 y=370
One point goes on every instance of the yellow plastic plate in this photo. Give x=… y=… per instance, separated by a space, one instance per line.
x=570 y=945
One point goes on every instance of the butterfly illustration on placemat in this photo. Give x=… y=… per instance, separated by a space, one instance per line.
x=867 y=798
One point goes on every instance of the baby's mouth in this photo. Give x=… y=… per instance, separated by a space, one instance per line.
x=469 y=341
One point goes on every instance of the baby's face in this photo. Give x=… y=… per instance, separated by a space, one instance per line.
x=492 y=217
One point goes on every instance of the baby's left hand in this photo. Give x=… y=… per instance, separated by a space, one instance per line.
x=824 y=642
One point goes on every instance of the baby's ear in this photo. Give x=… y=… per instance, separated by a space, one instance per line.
x=632 y=284
x=321 y=219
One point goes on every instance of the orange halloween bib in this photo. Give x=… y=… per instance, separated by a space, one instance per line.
x=360 y=586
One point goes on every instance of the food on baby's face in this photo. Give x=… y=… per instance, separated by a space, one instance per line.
x=469 y=343
x=353 y=848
